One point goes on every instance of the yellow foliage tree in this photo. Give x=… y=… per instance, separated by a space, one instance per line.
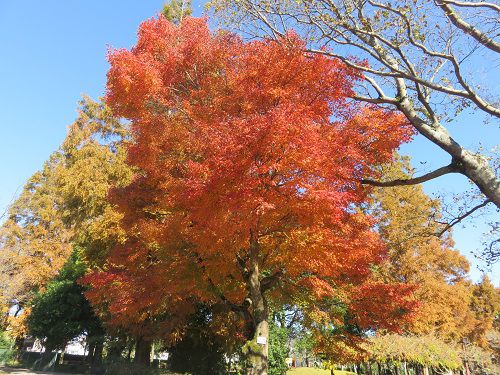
x=62 y=206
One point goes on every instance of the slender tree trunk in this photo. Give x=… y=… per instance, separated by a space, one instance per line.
x=47 y=356
x=90 y=355
x=466 y=368
x=259 y=352
x=18 y=345
x=130 y=347
x=99 y=346
x=368 y=366
x=95 y=364
x=116 y=350
x=143 y=351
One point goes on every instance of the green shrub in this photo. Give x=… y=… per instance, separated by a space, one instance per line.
x=7 y=356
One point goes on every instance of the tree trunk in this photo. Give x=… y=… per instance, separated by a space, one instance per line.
x=47 y=357
x=130 y=347
x=466 y=368
x=96 y=363
x=116 y=350
x=143 y=351
x=90 y=355
x=368 y=366
x=258 y=352
x=18 y=345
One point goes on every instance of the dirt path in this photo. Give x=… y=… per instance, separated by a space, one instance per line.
x=20 y=371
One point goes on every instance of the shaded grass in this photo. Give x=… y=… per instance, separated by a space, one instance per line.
x=315 y=371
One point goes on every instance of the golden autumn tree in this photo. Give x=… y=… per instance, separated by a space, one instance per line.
x=62 y=206
x=249 y=160
x=455 y=317
x=409 y=226
x=485 y=304
x=34 y=242
x=94 y=162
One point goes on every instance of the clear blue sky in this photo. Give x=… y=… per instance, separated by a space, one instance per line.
x=54 y=51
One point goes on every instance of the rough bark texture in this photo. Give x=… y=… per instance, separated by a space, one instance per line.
x=259 y=352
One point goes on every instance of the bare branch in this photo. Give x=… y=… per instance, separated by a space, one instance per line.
x=458 y=219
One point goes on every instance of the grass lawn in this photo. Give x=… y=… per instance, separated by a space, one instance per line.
x=315 y=371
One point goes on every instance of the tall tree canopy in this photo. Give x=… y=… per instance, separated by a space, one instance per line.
x=249 y=159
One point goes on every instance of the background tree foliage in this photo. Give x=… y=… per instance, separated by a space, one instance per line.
x=63 y=207
x=199 y=351
x=278 y=348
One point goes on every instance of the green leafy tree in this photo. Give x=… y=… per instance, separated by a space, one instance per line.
x=278 y=348
x=61 y=312
x=176 y=10
x=304 y=345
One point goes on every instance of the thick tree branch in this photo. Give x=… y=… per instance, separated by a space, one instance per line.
x=451 y=168
x=466 y=27
x=479 y=4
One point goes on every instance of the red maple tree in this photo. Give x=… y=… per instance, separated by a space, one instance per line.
x=249 y=158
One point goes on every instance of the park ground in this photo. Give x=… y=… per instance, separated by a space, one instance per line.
x=316 y=371
x=295 y=371
x=17 y=371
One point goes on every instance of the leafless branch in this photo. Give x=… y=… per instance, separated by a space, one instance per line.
x=459 y=218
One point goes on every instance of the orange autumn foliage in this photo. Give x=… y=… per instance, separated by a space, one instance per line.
x=249 y=160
